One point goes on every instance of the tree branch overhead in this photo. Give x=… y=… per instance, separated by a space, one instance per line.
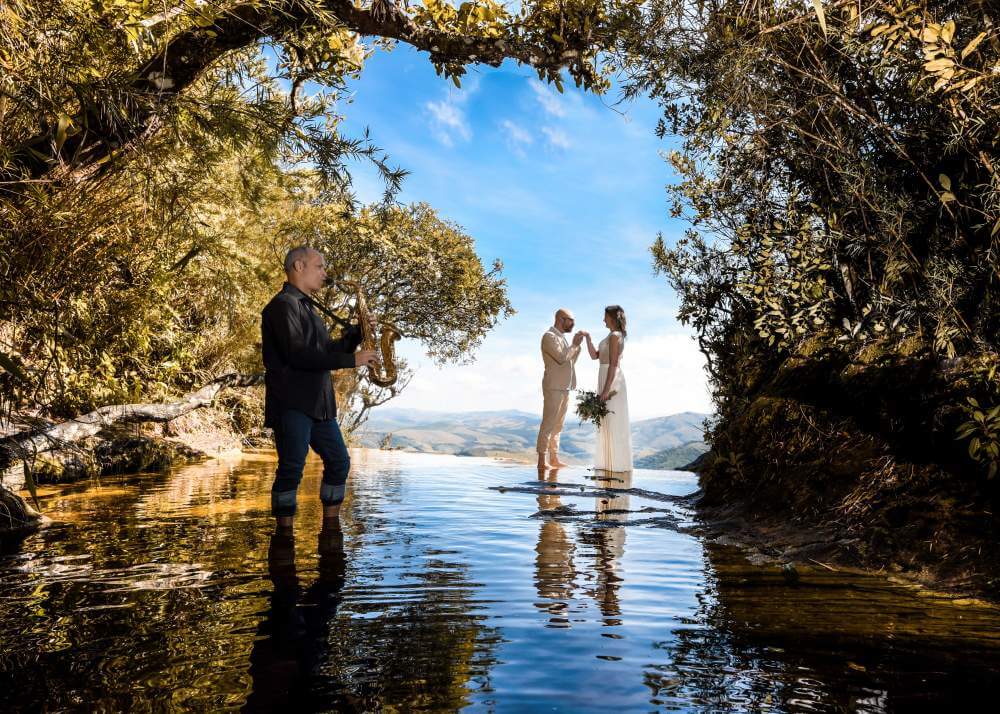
x=83 y=144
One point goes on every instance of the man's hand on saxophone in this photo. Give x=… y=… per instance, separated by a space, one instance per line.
x=366 y=358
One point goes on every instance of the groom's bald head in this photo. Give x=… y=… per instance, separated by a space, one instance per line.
x=564 y=320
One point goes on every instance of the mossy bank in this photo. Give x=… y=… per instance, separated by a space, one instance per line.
x=865 y=460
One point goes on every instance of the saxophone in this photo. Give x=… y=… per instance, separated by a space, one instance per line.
x=369 y=340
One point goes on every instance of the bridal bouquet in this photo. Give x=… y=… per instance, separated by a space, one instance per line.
x=589 y=407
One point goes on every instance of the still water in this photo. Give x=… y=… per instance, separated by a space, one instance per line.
x=452 y=583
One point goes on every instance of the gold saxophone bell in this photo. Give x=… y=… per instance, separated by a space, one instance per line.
x=370 y=341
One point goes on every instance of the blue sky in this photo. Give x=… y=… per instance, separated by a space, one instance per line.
x=567 y=191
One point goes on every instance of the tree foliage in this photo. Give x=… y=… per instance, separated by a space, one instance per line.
x=152 y=157
x=88 y=81
x=840 y=176
x=140 y=282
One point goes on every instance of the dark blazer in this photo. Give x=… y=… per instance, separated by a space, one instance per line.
x=298 y=356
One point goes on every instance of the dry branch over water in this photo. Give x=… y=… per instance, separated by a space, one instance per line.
x=80 y=427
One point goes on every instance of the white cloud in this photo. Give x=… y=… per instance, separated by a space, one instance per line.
x=517 y=136
x=447 y=117
x=516 y=132
x=665 y=375
x=448 y=120
x=551 y=102
x=557 y=137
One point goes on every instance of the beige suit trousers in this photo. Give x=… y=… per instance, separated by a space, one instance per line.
x=554 y=405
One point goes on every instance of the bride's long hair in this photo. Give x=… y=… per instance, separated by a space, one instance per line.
x=617 y=317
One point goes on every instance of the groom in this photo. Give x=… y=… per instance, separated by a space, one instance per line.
x=560 y=377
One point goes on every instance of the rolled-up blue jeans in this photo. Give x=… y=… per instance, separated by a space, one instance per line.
x=293 y=436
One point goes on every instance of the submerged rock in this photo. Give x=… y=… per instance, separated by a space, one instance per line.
x=17 y=517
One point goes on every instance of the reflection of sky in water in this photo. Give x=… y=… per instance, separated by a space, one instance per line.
x=441 y=590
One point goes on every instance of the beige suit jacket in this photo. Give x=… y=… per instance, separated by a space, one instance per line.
x=560 y=361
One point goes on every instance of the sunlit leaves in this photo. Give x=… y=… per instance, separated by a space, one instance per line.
x=421 y=273
x=981 y=430
x=787 y=283
x=973 y=44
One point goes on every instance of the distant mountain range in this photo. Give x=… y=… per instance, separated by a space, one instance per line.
x=663 y=442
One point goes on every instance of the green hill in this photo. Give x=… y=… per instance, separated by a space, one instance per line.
x=674 y=457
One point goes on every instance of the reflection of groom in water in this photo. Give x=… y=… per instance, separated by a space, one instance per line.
x=298 y=394
x=560 y=378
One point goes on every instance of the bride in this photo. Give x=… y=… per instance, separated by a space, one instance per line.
x=614 y=440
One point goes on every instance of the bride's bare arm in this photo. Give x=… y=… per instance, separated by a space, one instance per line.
x=594 y=354
x=614 y=353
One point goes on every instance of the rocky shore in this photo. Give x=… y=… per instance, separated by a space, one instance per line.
x=121 y=449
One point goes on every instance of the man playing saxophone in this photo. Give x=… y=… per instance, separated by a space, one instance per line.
x=299 y=403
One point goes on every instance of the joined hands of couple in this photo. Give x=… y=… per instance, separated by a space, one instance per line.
x=579 y=337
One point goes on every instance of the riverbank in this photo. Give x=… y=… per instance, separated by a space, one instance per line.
x=928 y=538
x=122 y=449
x=134 y=448
x=865 y=459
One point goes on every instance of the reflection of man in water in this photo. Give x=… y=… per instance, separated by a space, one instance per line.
x=287 y=657
x=554 y=573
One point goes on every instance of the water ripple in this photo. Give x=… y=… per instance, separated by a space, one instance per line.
x=451 y=583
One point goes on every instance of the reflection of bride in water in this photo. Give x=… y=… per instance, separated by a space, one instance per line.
x=609 y=540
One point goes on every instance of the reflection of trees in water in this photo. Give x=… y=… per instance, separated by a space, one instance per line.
x=421 y=645
x=112 y=594
x=135 y=598
x=724 y=657
x=707 y=670
x=115 y=635
x=827 y=641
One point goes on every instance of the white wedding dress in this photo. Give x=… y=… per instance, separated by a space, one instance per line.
x=614 y=437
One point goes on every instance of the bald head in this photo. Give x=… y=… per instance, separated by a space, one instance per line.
x=298 y=254
x=564 y=320
x=305 y=269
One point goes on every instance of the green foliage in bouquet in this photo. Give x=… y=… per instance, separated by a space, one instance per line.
x=590 y=407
